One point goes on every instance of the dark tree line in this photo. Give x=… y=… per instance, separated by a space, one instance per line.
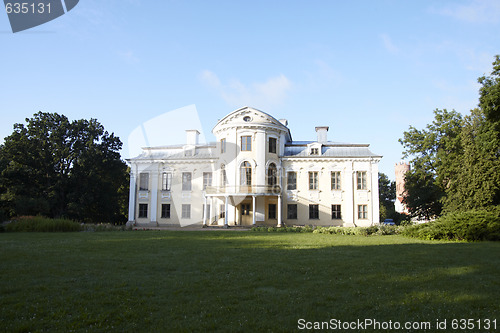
x=60 y=168
x=456 y=159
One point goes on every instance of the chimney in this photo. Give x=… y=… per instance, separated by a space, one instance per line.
x=192 y=137
x=322 y=133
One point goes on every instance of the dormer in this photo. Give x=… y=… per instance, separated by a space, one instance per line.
x=314 y=149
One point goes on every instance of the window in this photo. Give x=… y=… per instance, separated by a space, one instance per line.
x=336 y=212
x=222 y=213
x=186 y=181
x=314 y=151
x=143 y=210
x=362 y=212
x=207 y=179
x=223 y=146
x=272 y=211
x=166 y=181
x=165 y=211
x=246 y=174
x=361 y=180
x=246 y=143
x=272 y=175
x=245 y=209
x=186 y=211
x=223 y=176
x=292 y=212
x=291 y=181
x=313 y=180
x=335 y=180
x=144 y=181
x=313 y=212
x=272 y=145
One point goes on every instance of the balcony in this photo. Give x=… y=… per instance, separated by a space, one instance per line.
x=244 y=189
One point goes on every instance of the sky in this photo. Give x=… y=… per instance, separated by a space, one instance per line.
x=366 y=69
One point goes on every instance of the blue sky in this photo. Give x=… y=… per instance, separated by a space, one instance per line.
x=367 y=69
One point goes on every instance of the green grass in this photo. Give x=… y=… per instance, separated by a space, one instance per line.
x=237 y=281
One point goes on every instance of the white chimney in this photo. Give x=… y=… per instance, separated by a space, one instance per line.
x=284 y=122
x=192 y=137
x=322 y=133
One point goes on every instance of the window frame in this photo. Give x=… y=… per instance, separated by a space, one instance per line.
x=246 y=143
x=166 y=181
x=361 y=180
x=271 y=213
x=291 y=186
x=186 y=211
x=165 y=211
x=336 y=182
x=144 y=181
x=273 y=145
x=245 y=174
x=222 y=146
x=291 y=214
x=143 y=211
x=313 y=180
x=272 y=175
x=363 y=212
x=313 y=212
x=336 y=213
x=187 y=180
x=207 y=179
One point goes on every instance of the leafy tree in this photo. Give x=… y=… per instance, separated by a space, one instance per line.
x=62 y=168
x=387 y=195
x=456 y=160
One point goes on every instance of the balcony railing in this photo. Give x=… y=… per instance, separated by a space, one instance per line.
x=243 y=189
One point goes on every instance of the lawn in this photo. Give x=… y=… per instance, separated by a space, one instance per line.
x=238 y=281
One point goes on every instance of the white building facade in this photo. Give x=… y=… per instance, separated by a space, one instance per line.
x=254 y=174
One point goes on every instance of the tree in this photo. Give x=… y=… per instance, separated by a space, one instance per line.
x=387 y=195
x=59 y=168
x=456 y=160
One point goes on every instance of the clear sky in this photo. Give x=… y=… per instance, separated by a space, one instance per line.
x=367 y=69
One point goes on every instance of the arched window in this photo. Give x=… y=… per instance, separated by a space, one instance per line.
x=272 y=175
x=223 y=176
x=246 y=174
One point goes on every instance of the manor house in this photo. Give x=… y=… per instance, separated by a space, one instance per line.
x=254 y=174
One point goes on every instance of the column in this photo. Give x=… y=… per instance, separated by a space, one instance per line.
x=212 y=211
x=226 y=212
x=131 y=198
x=154 y=196
x=279 y=210
x=205 y=212
x=253 y=209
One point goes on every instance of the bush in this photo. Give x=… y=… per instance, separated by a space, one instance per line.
x=42 y=224
x=472 y=225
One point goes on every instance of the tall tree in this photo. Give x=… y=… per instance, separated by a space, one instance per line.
x=62 y=168
x=387 y=195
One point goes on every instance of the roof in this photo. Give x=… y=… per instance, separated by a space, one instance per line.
x=330 y=149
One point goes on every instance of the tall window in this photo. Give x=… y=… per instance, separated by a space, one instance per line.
x=335 y=180
x=186 y=181
x=207 y=212
x=143 y=210
x=336 y=215
x=246 y=174
x=165 y=211
x=362 y=212
x=223 y=176
x=361 y=180
x=313 y=180
x=291 y=180
x=271 y=211
x=186 y=211
x=222 y=211
x=207 y=179
x=246 y=143
x=166 y=181
x=272 y=145
x=223 y=146
x=292 y=212
x=144 y=181
x=272 y=175
x=313 y=212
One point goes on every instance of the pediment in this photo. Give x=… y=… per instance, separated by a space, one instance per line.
x=248 y=116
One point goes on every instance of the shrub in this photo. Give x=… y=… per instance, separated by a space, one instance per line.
x=42 y=224
x=469 y=226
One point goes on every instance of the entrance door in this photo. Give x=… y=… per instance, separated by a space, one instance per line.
x=246 y=214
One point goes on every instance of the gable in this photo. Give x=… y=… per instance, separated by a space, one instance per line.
x=248 y=116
